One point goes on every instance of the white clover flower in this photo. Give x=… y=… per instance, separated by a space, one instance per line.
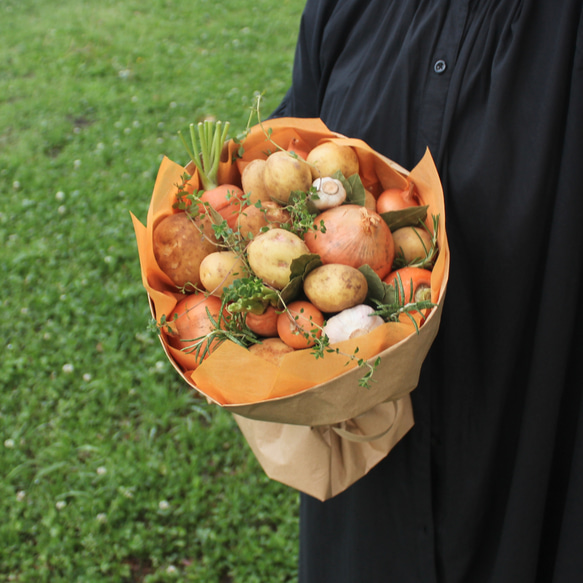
x=20 y=495
x=60 y=504
x=16 y=185
x=101 y=470
x=62 y=209
x=171 y=570
x=60 y=195
x=87 y=377
x=163 y=505
x=127 y=492
x=68 y=368
x=101 y=517
x=77 y=163
x=9 y=443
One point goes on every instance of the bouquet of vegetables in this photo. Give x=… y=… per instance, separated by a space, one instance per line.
x=297 y=277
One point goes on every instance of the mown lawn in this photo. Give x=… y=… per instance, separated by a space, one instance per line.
x=110 y=469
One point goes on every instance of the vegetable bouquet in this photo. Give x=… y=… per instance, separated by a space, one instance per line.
x=296 y=276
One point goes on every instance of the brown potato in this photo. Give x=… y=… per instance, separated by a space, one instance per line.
x=271 y=349
x=252 y=181
x=283 y=174
x=180 y=244
x=335 y=287
x=270 y=255
x=411 y=243
x=370 y=202
x=329 y=157
x=252 y=219
x=220 y=269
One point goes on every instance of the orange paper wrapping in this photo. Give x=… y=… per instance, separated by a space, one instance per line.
x=304 y=391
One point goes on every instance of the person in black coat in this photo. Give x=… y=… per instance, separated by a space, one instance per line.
x=488 y=485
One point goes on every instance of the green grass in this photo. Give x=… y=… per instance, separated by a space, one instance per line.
x=110 y=469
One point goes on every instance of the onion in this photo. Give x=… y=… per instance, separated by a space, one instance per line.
x=354 y=236
x=396 y=199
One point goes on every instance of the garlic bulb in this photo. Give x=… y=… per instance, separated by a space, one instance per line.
x=351 y=323
x=331 y=193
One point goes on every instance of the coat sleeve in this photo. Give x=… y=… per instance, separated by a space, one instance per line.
x=304 y=97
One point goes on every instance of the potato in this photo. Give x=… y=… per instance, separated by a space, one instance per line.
x=271 y=349
x=180 y=244
x=411 y=243
x=220 y=269
x=370 y=202
x=329 y=157
x=252 y=219
x=334 y=287
x=252 y=181
x=283 y=174
x=270 y=255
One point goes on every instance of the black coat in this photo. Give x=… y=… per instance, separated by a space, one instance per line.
x=488 y=485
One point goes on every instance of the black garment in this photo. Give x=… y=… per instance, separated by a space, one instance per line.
x=488 y=485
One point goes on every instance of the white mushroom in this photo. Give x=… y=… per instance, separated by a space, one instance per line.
x=330 y=193
x=351 y=323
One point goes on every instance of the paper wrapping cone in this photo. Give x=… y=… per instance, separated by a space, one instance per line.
x=303 y=391
x=324 y=461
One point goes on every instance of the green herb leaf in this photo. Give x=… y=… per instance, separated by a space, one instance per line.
x=299 y=269
x=408 y=217
x=355 y=191
x=378 y=291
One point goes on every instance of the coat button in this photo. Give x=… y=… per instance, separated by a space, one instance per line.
x=440 y=66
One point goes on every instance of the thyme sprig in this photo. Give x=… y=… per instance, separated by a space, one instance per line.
x=223 y=329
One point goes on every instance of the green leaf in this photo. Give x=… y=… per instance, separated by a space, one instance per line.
x=408 y=217
x=355 y=191
x=249 y=294
x=299 y=269
x=301 y=266
x=215 y=216
x=378 y=290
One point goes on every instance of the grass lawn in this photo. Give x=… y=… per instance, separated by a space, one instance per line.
x=110 y=469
